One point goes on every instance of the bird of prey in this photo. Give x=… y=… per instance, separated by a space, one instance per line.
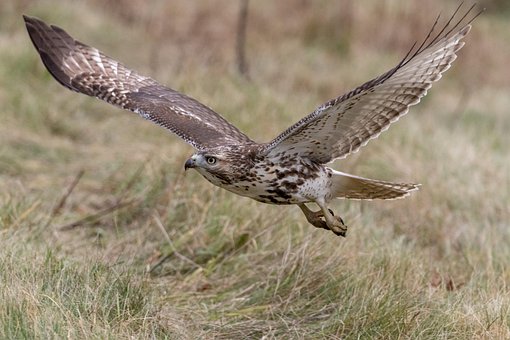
x=290 y=169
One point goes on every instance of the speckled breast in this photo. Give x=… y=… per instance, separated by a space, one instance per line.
x=289 y=181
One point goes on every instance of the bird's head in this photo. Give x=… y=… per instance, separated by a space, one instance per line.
x=221 y=163
x=204 y=160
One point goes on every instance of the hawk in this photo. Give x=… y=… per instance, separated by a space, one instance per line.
x=290 y=169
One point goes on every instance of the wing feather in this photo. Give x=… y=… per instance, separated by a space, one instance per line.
x=345 y=124
x=86 y=70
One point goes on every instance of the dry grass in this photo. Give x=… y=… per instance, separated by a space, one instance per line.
x=432 y=266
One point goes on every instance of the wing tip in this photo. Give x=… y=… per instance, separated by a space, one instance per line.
x=29 y=19
x=37 y=29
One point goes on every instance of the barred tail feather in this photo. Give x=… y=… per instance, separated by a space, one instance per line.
x=354 y=187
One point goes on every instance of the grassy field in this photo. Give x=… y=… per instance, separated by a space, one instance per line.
x=103 y=236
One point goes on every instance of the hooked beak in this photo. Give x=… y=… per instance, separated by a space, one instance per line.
x=190 y=163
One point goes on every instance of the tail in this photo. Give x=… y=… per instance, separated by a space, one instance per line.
x=354 y=187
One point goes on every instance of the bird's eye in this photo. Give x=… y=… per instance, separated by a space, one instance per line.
x=210 y=160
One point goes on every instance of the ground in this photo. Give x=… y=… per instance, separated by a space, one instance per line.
x=102 y=235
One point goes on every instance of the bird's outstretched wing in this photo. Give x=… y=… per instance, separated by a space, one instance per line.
x=86 y=70
x=345 y=124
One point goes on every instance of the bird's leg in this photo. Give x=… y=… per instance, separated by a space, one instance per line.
x=318 y=219
x=334 y=223
x=314 y=217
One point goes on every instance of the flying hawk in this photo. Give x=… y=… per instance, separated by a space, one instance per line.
x=290 y=169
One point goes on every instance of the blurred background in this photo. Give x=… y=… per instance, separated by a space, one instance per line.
x=103 y=235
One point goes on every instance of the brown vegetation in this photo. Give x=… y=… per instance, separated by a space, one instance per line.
x=154 y=253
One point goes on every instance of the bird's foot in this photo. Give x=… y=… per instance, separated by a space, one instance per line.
x=318 y=220
x=338 y=227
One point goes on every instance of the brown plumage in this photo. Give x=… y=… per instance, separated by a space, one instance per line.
x=291 y=168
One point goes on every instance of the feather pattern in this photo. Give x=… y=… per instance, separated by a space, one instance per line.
x=85 y=69
x=345 y=124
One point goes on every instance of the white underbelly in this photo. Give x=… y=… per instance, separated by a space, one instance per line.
x=287 y=190
x=280 y=185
